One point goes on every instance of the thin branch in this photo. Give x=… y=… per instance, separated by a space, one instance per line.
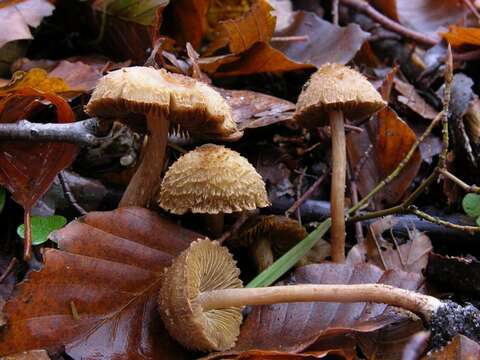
x=81 y=132
x=305 y=196
x=388 y=23
x=335 y=12
x=69 y=195
x=459 y=182
x=437 y=220
x=9 y=269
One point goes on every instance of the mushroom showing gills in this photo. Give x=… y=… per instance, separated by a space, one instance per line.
x=212 y=180
x=201 y=300
x=335 y=91
x=136 y=95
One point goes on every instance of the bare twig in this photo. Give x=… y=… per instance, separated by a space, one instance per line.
x=69 y=195
x=289 y=38
x=388 y=23
x=81 y=132
x=305 y=196
x=472 y=9
x=335 y=12
x=237 y=225
x=9 y=269
x=437 y=220
x=459 y=182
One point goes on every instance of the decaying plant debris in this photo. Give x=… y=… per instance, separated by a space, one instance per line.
x=328 y=149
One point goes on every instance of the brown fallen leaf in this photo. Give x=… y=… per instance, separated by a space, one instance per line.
x=257 y=25
x=301 y=327
x=411 y=98
x=28 y=355
x=189 y=20
x=376 y=152
x=459 y=36
x=96 y=295
x=17 y=16
x=325 y=42
x=460 y=348
x=426 y=16
x=411 y=256
x=253 y=109
x=35 y=78
x=278 y=355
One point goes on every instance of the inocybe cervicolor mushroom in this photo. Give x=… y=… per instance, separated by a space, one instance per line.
x=335 y=91
x=201 y=300
x=136 y=95
x=212 y=180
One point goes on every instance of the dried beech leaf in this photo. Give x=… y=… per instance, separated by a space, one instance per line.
x=108 y=268
x=458 y=36
x=385 y=143
x=141 y=12
x=426 y=16
x=261 y=57
x=252 y=109
x=279 y=355
x=35 y=78
x=325 y=42
x=189 y=20
x=257 y=25
x=300 y=327
x=29 y=355
x=17 y=16
x=411 y=98
x=28 y=169
x=460 y=348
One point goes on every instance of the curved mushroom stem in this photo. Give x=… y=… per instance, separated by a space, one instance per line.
x=146 y=179
x=423 y=305
x=337 y=192
x=214 y=224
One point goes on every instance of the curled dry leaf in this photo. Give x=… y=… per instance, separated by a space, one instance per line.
x=411 y=98
x=460 y=348
x=411 y=256
x=97 y=293
x=190 y=20
x=376 y=152
x=426 y=16
x=17 y=16
x=302 y=327
x=29 y=355
x=252 y=109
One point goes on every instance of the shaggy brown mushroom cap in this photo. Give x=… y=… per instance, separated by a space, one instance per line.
x=336 y=87
x=130 y=93
x=212 y=179
x=204 y=266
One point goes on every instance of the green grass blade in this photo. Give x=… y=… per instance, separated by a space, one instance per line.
x=290 y=258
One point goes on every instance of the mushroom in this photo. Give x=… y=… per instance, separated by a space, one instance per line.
x=270 y=236
x=201 y=300
x=335 y=91
x=212 y=180
x=138 y=94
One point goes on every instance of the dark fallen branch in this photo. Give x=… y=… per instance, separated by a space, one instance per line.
x=80 y=133
x=315 y=210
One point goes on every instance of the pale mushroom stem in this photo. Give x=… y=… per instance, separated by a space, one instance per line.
x=337 y=192
x=422 y=305
x=147 y=178
x=214 y=224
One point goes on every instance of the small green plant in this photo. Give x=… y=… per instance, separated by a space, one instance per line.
x=471 y=205
x=42 y=226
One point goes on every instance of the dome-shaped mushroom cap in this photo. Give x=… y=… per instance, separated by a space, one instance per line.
x=212 y=179
x=204 y=266
x=130 y=93
x=336 y=87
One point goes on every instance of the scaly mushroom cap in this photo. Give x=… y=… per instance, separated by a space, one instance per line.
x=336 y=87
x=204 y=266
x=212 y=179
x=130 y=93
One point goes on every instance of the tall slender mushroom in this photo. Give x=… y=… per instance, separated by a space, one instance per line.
x=201 y=300
x=335 y=91
x=212 y=180
x=136 y=95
